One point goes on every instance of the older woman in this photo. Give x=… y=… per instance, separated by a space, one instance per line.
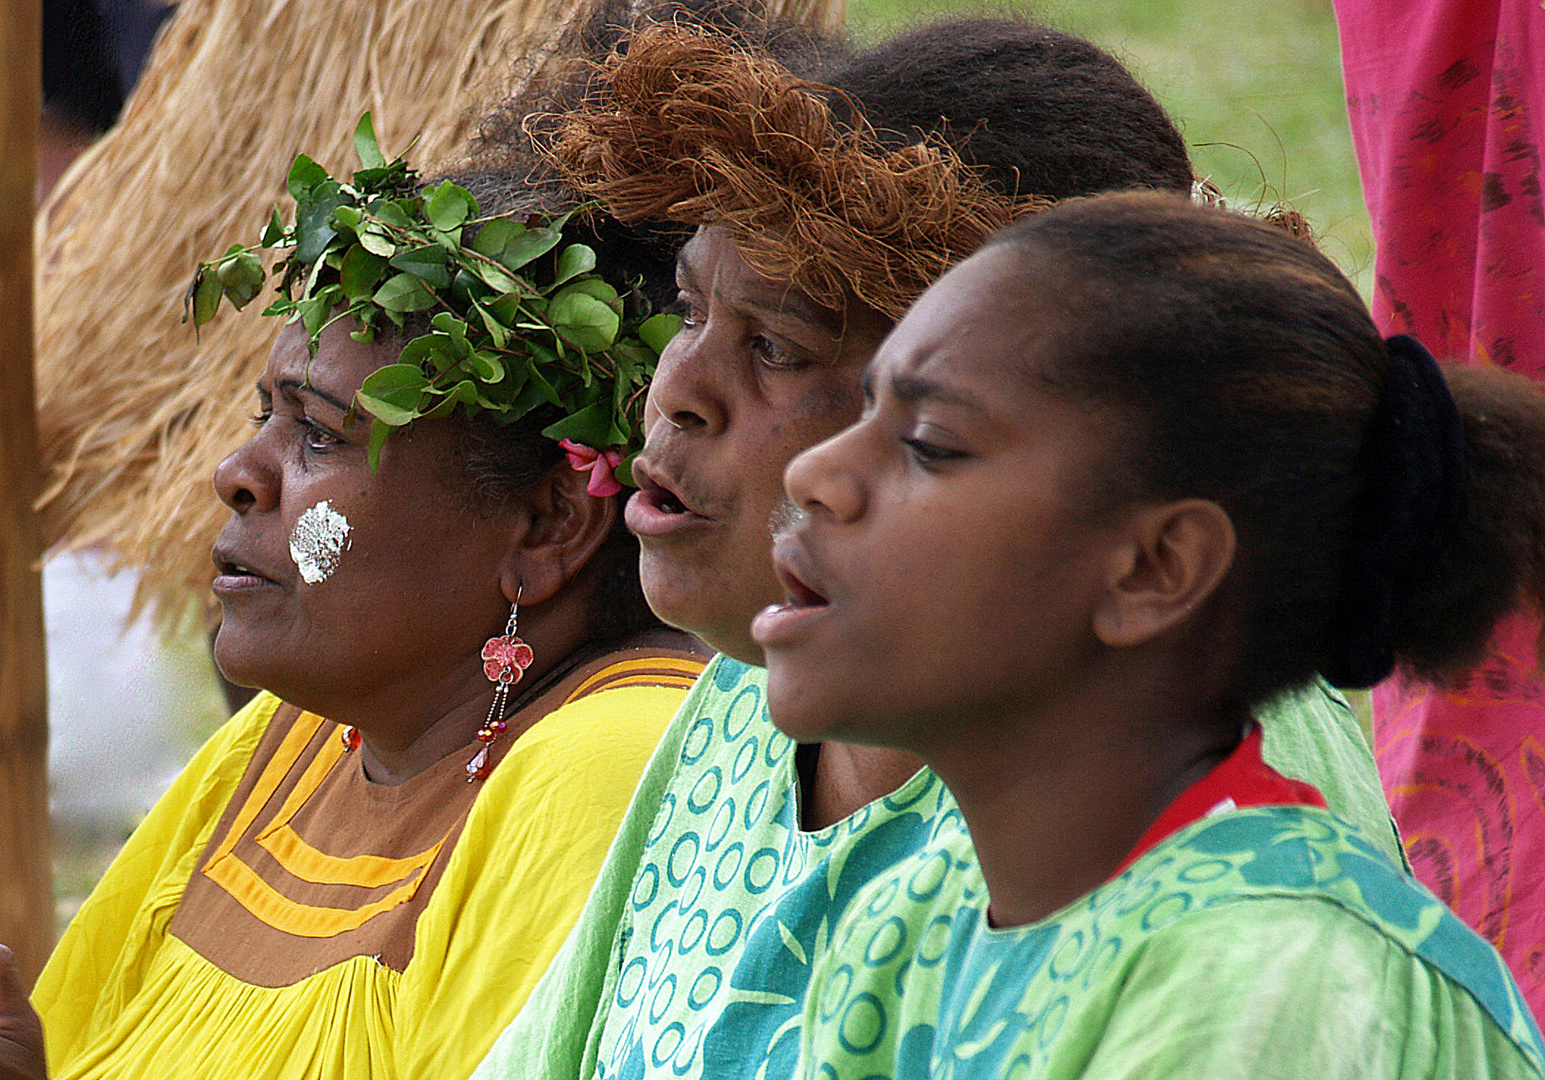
x=363 y=873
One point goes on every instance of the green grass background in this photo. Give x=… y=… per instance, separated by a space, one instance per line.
x=1254 y=85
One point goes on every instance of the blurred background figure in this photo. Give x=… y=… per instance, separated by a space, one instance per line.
x=1447 y=106
x=92 y=54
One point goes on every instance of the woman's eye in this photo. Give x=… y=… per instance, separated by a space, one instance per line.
x=770 y=353
x=926 y=453
x=692 y=315
x=318 y=438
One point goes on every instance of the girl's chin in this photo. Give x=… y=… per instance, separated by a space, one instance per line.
x=793 y=711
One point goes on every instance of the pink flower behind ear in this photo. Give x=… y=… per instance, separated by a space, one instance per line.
x=599 y=462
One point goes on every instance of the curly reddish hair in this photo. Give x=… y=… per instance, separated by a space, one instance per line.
x=690 y=126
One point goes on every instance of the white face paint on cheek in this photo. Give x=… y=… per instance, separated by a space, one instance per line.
x=318 y=541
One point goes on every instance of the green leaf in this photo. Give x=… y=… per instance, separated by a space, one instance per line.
x=449 y=206
x=378 y=433
x=389 y=213
x=389 y=175
x=330 y=297
x=365 y=144
x=313 y=315
x=496 y=331
x=427 y=263
x=348 y=217
x=241 y=276
x=584 y=321
x=305 y=174
x=597 y=288
x=364 y=335
x=314 y=221
x=493 y=237
x=540 y=384
x=529 y=398
x=392 y=394
x=206 y=296
x=393 y=380
x=486 y=365
x=373 y=240
x=657 y=330
x=404 y=292
x=274 y=232
x=385 y=411
x=495 y=278
x=360 y=273
x=591 y=425
x=624 y=471
x=527 y=246
x=575 y=260
x=455 y=328
x=507 y=308
x=430 y=347
x=441 y=408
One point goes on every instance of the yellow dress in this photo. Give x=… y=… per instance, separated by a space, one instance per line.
x=275 y=916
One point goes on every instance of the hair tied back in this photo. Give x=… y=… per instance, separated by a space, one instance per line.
x=1414 y=504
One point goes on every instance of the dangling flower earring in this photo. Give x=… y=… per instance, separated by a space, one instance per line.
x=505 y=660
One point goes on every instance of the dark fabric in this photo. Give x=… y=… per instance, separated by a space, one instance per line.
x=1412 y=506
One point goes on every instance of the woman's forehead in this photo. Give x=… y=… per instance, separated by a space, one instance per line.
x=712 y=265
x=340 y=364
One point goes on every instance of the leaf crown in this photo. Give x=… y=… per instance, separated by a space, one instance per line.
x=519 y=318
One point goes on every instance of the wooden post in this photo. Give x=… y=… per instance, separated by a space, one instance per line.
x=26 y=881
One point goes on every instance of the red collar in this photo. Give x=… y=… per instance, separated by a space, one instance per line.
x=1241 y=779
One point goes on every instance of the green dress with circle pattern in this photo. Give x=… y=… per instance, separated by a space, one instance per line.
x=695 y=950
x=1266 y=942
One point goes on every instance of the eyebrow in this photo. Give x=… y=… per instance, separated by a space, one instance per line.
x=792 y=304
x=914 y=388
x=294 y=386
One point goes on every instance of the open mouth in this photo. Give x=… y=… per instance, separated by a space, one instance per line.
x=805 y=606
x=800 y=595
x=665 y=501
x=657 y=510
x=233 y=574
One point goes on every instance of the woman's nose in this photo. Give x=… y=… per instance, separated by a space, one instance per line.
x=690 y=385
x=245 y=481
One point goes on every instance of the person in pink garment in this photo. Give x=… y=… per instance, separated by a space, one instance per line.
x=1447 y=106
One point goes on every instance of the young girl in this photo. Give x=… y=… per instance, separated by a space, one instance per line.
x=1125 y=473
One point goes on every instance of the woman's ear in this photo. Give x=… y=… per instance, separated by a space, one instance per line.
x=562 y=526
x=1175 y=558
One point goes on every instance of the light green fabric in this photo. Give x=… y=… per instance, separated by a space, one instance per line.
x=694 y=952
x=1314 y=736
x=1270 y=942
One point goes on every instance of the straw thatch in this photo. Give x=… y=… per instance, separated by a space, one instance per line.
x=133 y=411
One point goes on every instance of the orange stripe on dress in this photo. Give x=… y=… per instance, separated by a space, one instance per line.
x=300 y=859
x=667 y=671
x=280 y=912
x=278 y=767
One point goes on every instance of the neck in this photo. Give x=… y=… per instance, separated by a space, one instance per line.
x=408 y=727
x=1056 y=800
x=845 y=777
x=396 y=753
